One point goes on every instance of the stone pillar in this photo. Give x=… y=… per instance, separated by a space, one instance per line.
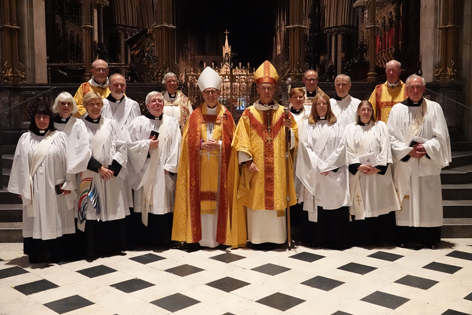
x=429 y=35
x=448 y=44
x=339 y=55
x=372 y=75
x=296 y=39
x=98 y=5
x=32 y=40
x=164 y=37
x=87 y=38
x=9 y=29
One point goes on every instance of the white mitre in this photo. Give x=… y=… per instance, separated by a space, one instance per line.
x=209 y=78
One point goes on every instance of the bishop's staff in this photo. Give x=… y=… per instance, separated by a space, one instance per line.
x=287 y=169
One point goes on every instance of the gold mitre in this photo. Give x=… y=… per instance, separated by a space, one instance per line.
x=266 y=73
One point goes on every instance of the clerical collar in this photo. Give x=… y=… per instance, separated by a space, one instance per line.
x=338 y=98
x=114 y=100
x=392 y=85
x=93 y=121
x=102 y=85
x=360 y=123
x=172 y=95
x=295 y=111
x=311 y=94
x=152 y=117
x=321 y=118
x=409 y=102
x=40 y=133
x=58 y=119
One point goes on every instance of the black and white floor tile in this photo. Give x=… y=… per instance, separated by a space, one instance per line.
x=244 y=281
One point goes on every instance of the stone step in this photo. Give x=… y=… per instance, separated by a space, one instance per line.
x=11 y=212
x=460 y=158
x=7 y=160
x=461 y=146
x=8 y=198
x=457 y=192
x=8 y=149
x=457 y=228
x=457 y=175
x=10 y=232
x=457 y=208
x=5 y=176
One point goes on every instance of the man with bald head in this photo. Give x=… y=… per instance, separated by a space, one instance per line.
x=343 y=105
x=390 y=93
x=98 y=83
x=310 y=79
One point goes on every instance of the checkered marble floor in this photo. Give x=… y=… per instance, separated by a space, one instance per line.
x=244 y=281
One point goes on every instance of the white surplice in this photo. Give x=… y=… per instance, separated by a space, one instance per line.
x=345 y=110
x=123 y=112
x=112 y=193
x=418 y=180
x=377 y=192
x=79 y=150
x=330 y=191
x=163 y=188
x=52 y=218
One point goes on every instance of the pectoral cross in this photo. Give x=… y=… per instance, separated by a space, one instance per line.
x=358 y=199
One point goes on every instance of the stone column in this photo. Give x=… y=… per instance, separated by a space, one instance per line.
x=164 y=37
x=372 y=75
x=9 y=42
x=87 y=38
x=296 y=39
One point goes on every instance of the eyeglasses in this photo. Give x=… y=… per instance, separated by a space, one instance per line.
x=43 y=117
x=101 y=69
x=311 y=80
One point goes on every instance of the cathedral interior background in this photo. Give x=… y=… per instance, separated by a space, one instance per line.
x=47 y=46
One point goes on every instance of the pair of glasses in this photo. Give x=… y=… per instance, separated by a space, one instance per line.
x=101 y=69
x=43 y=117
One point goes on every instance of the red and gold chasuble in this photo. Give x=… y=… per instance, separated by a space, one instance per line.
x=384 y=97
x=205 y=179
x=261 y=135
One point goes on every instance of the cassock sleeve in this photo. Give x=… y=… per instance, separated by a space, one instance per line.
x=121 y=154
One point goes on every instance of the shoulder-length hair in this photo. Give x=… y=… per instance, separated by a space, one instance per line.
x=64 y=97
x=330 y=117
x=41 y=109
x=372 y=117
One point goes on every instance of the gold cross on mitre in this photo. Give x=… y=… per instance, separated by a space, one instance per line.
x=358 y=199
